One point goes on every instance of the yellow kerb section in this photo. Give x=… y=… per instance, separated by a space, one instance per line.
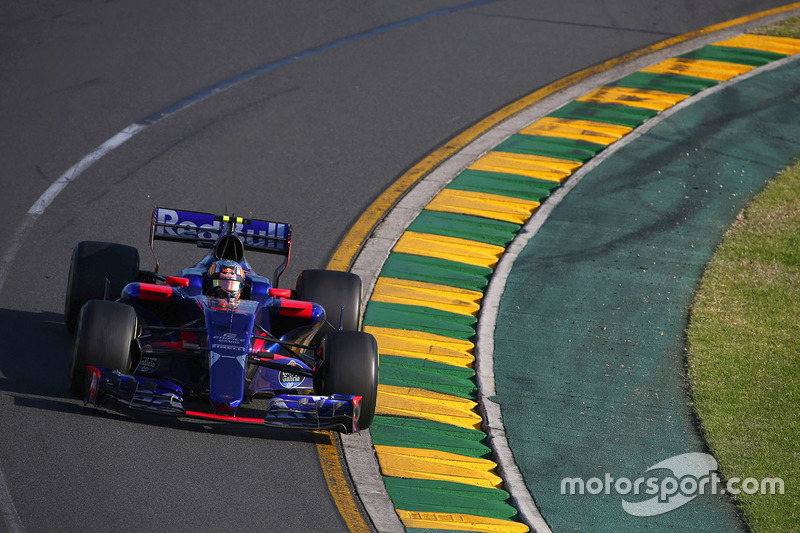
x=452 y=299
x=643 y=98
x=484 y=205
x=766 y=43
x=449 y=248
x=410 y=402
x=579 y=130
x=460 y=522
x=417 y=463
x=699 y=68
x=422 y=345
x=533 y=166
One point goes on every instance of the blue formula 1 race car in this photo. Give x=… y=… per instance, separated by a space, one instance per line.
x=215 y=339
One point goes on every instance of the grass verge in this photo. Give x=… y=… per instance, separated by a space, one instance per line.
x=744 y=353
x=744 y=346
x=786 y=28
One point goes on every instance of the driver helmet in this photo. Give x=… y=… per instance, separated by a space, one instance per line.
x=226 y=277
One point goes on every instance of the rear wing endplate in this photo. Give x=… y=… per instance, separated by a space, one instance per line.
x=205 y=229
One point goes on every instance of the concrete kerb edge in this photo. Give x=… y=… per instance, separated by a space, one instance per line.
x=357 y=449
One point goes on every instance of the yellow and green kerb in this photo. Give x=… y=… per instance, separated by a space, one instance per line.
x=428 y=431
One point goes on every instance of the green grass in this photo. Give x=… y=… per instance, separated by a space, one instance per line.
x=744 y=346
x=744 y=353
x=786 y=28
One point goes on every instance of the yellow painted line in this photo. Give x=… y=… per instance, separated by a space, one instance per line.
x=459 y=522
x=579 y=130
x=766 y=43
x=333 y=470
x=533 y=166
x=419 y=463
x=483 y=204
x=444 y=297
x=411 y=402
x=449 y=248
x=699 y=68
x=422 y=345
x=644 y=98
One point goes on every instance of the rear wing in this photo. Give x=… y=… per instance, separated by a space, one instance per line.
x=205 y=230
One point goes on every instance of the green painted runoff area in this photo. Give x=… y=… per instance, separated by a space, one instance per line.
x=589 y=346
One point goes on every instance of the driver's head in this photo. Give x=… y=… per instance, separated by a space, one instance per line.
x=226 y=278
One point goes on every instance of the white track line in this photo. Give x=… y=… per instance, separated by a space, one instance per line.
x=7 y=509
x=47 y=197
x=9 y=512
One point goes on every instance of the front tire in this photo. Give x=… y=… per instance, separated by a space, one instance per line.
x=334 y=291
x=350 y=366
x=105 y=332
x=92 y=263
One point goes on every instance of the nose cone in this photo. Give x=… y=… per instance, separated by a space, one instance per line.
x=226 y=381
x=229 y=332
x=226 y=403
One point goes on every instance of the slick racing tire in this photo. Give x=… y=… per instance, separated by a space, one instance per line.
x=333 y=290
x=105 y=332
x=350 y=366
x=93 y=263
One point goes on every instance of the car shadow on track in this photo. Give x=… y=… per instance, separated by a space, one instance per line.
x=35 y=362
x=36 y=353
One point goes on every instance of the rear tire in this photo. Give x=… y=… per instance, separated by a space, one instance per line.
x=92 y=263
x=350 y=366
x=103 y=340
x=332 y=290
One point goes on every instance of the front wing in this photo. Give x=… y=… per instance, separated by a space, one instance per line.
x=337 y=412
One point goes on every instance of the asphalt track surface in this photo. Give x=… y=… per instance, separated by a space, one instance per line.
x=312 y=141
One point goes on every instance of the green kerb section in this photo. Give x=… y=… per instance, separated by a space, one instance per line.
x=426 y=496
x=510 y=185
x=609 y=113
x=556 y=147
x=430 y=375
x=435 y=270
x=741 y=56
x=415 y=433
x=441 y=496
x=418 y=318
x=465 y=227
x=671 y=83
